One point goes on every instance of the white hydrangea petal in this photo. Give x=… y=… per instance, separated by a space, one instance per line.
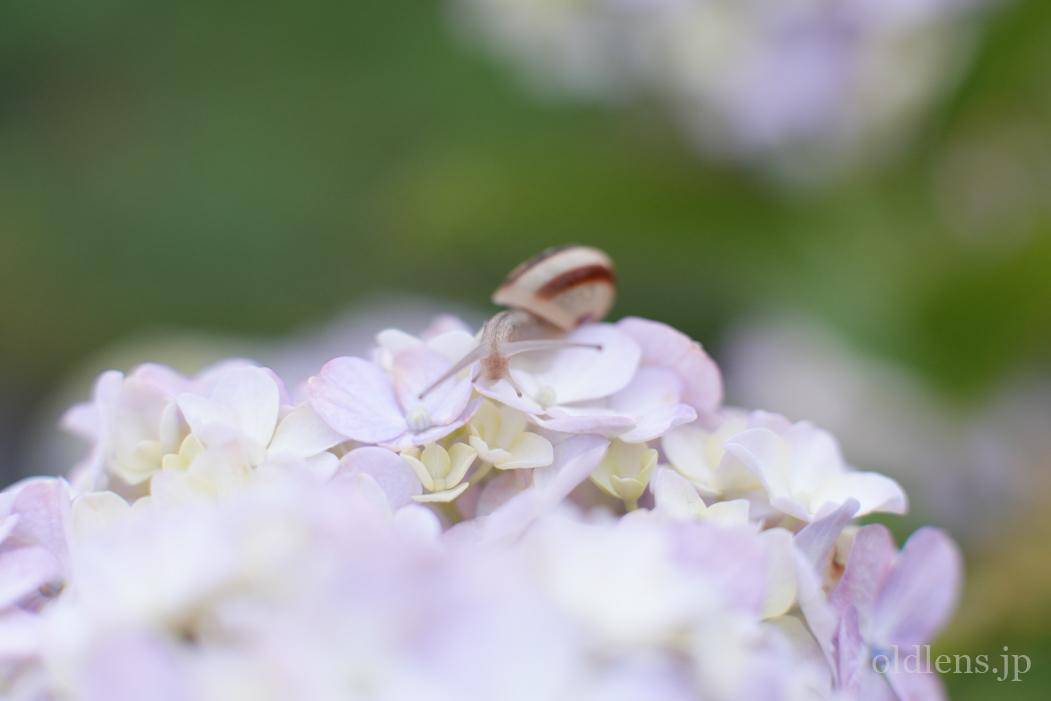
x=675 y=496
x=453 y=344
x=322 y=466
x=731 y=513
x=211 y=421
x=302 y=434
x=765 y=454
x=686 y=448
x=253 y=397
x=581 y=374
x=418 y=522
x=95 y=512
x=875 y=493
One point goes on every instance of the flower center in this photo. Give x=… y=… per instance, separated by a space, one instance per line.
x=418 y=418
x=546 y=396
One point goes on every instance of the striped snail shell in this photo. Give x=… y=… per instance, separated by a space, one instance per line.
x=565 y=286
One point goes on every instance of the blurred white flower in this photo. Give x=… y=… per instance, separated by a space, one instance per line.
x=800 y=85
x=804 y=475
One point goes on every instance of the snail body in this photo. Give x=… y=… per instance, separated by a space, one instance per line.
x=558 y=289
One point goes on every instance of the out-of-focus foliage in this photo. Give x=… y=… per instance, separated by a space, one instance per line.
x=250 y=167
x=261 y=164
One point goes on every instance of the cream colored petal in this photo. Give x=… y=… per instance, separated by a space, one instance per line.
x=528 y=450
x=512 y=424
x=436 y=458
x=143 y=461
x=462 y=456
x=446 y=495
x=628 y=488
x=601 y=477
x=486 y=421
x=648 y=460
x=422 y=473
x=729 y=513
x=780 y=572
x=492 y=456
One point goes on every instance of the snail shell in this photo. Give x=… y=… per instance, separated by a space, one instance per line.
x=565 y=286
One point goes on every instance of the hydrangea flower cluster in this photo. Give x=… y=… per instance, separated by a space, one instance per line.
x=801 y=84
x=612 y=532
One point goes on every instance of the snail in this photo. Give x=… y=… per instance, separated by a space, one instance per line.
x=558 y=289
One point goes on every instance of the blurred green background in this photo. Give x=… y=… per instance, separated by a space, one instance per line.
x=248 y=168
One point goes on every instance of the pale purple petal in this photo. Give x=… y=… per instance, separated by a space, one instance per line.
x=575 y=459
x=652 y=398
x=871 y=558
x=84 y=420
x=498 y=491
x=415 y=368
x=851 y=651
x=132 y=667
x=19 y=635
x=655 y=423
x=585 y=419
x=663 y=346
x=388 y=469
x=42 y=506
x=443 y=324
x=821 y=618
x=817 y=539
x=23 y=571
x=921 y=592
x=435 y=433
x=503 y=392
x=164 y=378
x=7 y=526
x=356 y=399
